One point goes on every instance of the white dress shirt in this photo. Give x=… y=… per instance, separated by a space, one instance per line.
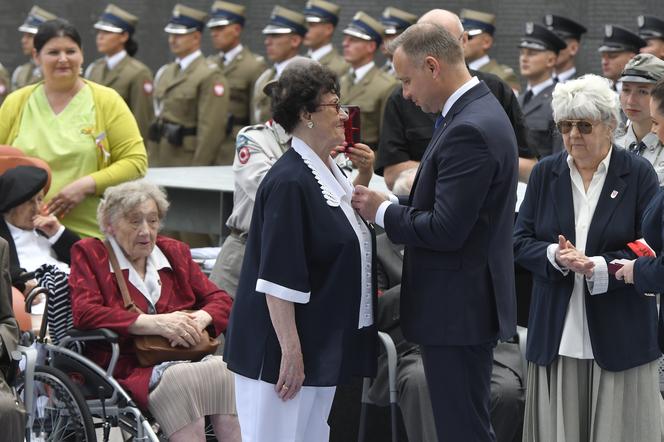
x=566 y=75
x=230 y=55
x=360 y=72
x=540 y=87
x=320 y=52
x=113 y=60
x=185 y=61
x=575 y=341
x=474 y=81
x=150 y=286
x=34 y=250
x=477 y=64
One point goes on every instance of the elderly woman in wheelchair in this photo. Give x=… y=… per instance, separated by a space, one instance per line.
x=170 y=297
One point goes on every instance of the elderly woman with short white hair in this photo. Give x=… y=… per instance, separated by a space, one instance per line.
x=592 y=339
x=177 y=302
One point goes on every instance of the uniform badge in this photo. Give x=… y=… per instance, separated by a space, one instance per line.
x=148 y=87
x=218 y=89
x=243 y=154
x=641 y=21
x=548 y=20
x=608 y=31
x=530 y=27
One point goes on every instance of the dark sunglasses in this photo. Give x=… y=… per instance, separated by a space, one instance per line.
x=584 y=127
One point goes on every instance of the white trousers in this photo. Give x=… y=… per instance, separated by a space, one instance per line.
x=264 y=417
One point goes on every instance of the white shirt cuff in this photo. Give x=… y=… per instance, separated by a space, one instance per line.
x=279 y=291
x=599 y=282
x=551 y=255
x=53 y=239
x=380 y=213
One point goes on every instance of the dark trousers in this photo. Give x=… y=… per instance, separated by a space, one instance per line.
x=459 y=380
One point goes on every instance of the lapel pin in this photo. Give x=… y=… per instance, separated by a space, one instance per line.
x=614 y=194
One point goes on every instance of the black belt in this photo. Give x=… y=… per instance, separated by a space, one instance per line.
x=239 y=234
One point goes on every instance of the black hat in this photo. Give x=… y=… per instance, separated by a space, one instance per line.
x=541 y=39
x=564 y=27
x=19 y=184
x=650 y=27
x=619 y=39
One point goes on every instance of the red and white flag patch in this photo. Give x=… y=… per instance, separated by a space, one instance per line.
x=218 y=89
x=243 y=154
x=148 y=87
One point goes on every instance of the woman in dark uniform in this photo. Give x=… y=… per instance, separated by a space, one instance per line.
x=119 y=69
x=302 y=321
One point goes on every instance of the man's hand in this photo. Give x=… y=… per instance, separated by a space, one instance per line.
x=367 y=202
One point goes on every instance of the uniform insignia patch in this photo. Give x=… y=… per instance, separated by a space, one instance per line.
x=219 y=89
x=148 y=87
x=243 y=154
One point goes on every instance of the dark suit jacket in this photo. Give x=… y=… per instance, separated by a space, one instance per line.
x=407 y=129
x=458 y=275
x=542 y=133
x=61 y=248
x=622 y=324
x=649 y=272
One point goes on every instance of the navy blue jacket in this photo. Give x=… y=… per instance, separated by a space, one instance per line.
x=649 y=272
x=458 y=272
x=622 y=323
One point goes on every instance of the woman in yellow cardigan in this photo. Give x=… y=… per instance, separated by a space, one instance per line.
x=83 y=130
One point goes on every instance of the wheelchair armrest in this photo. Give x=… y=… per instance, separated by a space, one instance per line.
x=100 y=334
x=391 y=351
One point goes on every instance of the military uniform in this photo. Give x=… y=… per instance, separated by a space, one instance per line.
x=335 y=62
x=258 y=147
x=191 y=103
x=5 y=83
x=321 y=11
x=29 y=73
x=241 y=74
x=567 y=29
x=282 y=21
x=395 y=22
x=25 y=74
x=133 y=81
x=371 y=91
x=501 y=71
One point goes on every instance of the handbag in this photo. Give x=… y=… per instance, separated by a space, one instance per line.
x=154 y=349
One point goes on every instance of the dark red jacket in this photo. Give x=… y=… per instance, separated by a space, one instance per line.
x=97 y=303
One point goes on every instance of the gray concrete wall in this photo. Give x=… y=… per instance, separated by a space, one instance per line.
x=153 y=48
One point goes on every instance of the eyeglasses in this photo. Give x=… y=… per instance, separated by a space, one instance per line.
x=336 y=105
x=584 y=127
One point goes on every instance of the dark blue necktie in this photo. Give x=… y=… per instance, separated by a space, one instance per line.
x=637 y=148
x=439 y=121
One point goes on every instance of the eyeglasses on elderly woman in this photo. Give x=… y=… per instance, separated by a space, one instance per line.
x=583 y=126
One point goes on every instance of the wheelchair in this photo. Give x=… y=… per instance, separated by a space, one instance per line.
x=66 y=396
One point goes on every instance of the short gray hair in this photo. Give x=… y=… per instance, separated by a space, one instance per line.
x=428 y=39
x=587 y=97
x=120 y=199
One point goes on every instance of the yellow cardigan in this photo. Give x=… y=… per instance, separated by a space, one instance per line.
x=121 y=157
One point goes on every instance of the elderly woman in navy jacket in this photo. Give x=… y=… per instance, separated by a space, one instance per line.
x=302 y=321
x=592 y=340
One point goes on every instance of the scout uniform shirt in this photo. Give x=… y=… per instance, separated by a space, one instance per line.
x=370 y=93
x=132 y=80
x=25 y=74
x=241 y=67
x=194 y=98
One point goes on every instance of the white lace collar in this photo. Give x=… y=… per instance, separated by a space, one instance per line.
x=334 y=185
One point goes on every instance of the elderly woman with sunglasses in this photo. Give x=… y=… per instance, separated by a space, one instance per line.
x=592 y=339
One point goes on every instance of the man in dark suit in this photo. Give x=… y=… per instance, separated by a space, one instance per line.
x=458 y=278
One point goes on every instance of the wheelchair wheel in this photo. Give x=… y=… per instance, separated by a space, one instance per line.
x=59 y=409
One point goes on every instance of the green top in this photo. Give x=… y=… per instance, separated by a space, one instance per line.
x=120 y=155
x=66 y=142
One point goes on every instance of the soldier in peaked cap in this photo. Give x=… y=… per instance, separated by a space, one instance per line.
x=395 y=22
x=118 y=69
x=638 y=79
x=29 y=73
x=190 y=98
x=480 y=27
x=284 y=34
x=322 y=19
x=365 y=85
x=240 y=66
x=538 y=52
x=651 y=29
x=571 y=32
x=618 y=47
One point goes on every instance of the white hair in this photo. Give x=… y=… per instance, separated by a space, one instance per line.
x=588 y=97
x=119 y=200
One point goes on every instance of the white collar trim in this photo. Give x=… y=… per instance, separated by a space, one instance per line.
x=321 y=52
x=189 y=59
x=114 y=60
x=334 y=185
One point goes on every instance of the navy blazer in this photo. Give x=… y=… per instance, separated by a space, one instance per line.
x=622 y=324
x=649 y=272
x=458 y=271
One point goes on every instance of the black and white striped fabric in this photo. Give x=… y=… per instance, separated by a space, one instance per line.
x=58 y=307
